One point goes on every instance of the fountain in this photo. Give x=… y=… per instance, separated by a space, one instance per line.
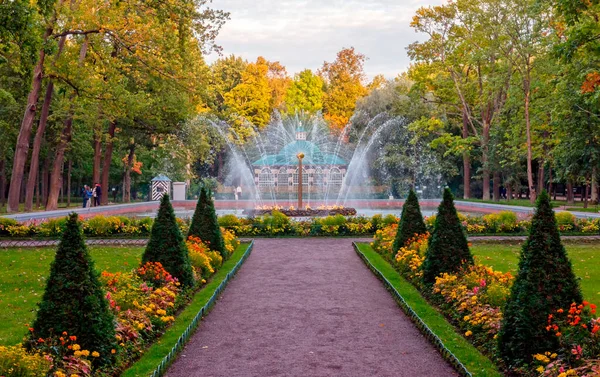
x=296 y=165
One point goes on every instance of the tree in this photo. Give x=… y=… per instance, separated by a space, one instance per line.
x=526 y=25
x=74 y=300
x=251 y=98
x=305 y=93
x=411 y=222
x=466 y=42
x=279 y=82
x=205 y=225
x=344 y=86
x=545 y=282
x=167 y=246
x=448 y=250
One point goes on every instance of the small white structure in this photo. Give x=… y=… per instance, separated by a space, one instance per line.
x=161 y=185
x=179 y=189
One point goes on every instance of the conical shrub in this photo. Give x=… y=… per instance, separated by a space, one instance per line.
x=448 y=250
x=167 y=246
x=74 y=300
x=205 y=225
x=545 y=282
x=411 y=222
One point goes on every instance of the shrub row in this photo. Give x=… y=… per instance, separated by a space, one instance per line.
x=278 y=224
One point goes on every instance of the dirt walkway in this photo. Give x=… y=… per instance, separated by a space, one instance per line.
x=307 y=307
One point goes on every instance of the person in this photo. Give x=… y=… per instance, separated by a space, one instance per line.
x=238 y=193
x=98 y=198
x=87 y=194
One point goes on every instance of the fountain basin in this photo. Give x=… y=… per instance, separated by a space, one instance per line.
x=306 y=212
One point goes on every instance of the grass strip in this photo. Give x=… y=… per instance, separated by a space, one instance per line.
x=154 y=355
x=474 y=361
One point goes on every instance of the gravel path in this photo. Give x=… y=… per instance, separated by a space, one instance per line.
x=307 y=307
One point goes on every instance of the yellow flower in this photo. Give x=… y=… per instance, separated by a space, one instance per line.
x=77 y=353
x=467 y=317
x=95 y=354
x=469 y=333
x=85 y=353
x=540 y=369
x=59 y=374
x=76 y=347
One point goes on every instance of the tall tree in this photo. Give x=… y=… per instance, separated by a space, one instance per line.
x=343 y=86
x=305 y=94
x=250 y=100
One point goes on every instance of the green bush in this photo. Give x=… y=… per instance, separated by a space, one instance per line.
x=565 y=218
x=229 y=220
x=74 y=300
x=166 y=245
x=545 y=282
x=448 y=250
x=501 y=222
x=4 y=224
x=337 y=220
x=411 y=222
x=53 y=227
x=205 y=224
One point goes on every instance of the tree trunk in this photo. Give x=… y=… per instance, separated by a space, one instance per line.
x=570 y=196
x=127 y=173
x=97 y=156
x=37 y=190
x=496 y=186
x=22 y=147
x=2 y=182
x=527 y=91
x=466 y=160
x=508 y=191
x=39 y=136
x=541 y=174
x=62 y=183
x=45 y=179
x=594 y=197
x=108 y=150
x=65 y=138
x=586 y=191
x=69 y=169
x=485 y=161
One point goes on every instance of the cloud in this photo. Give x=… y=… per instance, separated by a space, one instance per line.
x=305 y=33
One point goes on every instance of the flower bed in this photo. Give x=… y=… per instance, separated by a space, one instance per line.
x=473 y=300
x=277 y=223
x=144 y=303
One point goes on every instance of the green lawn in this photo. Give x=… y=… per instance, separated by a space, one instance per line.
x=23 y=275
x=585 y=259
x=576 y=206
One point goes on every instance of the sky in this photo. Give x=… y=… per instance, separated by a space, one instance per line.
x=304 y=33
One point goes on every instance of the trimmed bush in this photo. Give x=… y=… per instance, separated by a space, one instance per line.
x=166 y=245
x=205 y=225
x=545 y=282
x=74 y=300
x=411 y=222
x=448 y=250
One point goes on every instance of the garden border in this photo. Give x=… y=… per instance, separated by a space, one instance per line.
x=185 y=336
x=414 y=317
